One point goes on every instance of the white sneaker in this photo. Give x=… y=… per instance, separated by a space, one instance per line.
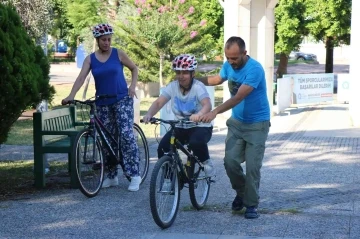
x=209 y=168
x=134 y=184
x=166 y=187
x=108 y=182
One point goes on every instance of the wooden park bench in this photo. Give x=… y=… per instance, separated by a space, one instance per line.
x=62 y=55
x=54 y=132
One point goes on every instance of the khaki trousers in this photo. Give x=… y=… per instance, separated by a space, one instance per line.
x=245 y=143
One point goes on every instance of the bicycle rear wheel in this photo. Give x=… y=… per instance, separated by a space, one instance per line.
x=143 y=151
x=89 y=163
x=198 y=190
x=164 y=192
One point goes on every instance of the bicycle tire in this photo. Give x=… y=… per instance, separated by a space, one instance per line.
x=198 y=190
x=143 y=148
x=165 y=184
x=89 y=162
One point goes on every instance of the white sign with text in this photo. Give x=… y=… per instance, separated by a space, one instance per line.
x=311 y=88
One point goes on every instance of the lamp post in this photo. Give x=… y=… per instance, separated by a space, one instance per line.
x=43 y=106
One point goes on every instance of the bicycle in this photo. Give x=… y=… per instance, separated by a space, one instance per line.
x=170 y=175
x=89 y=151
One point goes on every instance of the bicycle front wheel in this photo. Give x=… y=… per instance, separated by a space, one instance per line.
x=143 y=151
x=164 y=192
x=89 y=163
x=200 y=187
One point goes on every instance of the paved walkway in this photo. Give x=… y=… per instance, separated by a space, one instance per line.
x=310 y=188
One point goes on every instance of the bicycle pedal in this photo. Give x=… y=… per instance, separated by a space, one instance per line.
x=212 y=181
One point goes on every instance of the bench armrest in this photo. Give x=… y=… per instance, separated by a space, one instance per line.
x=69 y=133
x=79 y=123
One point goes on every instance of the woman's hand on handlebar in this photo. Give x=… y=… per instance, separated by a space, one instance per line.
x=67 y=100
x=146 y=119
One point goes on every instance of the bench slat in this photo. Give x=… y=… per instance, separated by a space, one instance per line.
x=72 y=132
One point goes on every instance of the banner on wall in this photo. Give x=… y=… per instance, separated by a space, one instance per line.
x=311 y=88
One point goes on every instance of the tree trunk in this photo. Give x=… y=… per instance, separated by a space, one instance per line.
x=282 y=68
x=329 y=63
x=161 y=70
x=94 y=45
x=56 y=44
x=89 y=76
x=87 y=81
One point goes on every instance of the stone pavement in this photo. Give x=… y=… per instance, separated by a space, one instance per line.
x=310 y=188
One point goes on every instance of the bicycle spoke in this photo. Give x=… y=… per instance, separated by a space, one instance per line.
x=143 y=151
x=164 y=192
x=199 y=190
x=89 y=163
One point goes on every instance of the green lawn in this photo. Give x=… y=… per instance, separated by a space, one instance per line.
x=63 y=90
x=21 y=132
x=17 y=178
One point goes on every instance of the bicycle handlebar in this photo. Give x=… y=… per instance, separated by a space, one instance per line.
x=89 y=101
x=171 y=122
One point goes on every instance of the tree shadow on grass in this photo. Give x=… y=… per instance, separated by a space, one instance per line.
x=17 y=179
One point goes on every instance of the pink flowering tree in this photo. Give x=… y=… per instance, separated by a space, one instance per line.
x=154 y=32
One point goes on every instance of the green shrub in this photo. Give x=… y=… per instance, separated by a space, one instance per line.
x=24 y=78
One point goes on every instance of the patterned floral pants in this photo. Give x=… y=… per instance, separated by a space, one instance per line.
x=119 y=119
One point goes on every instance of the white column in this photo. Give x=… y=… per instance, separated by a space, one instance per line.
x=354 y=106
x=254 y=24
x=262 y=39
x=236 y=23
x=244 y=22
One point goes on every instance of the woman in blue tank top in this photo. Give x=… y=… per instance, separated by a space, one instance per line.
x=117 y=114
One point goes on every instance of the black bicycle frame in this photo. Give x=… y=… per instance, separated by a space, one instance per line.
x=104 y=135
x=174 y=145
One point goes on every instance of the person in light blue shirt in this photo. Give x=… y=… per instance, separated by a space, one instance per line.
x=248 y=126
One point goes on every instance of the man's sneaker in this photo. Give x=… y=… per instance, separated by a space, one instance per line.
x=209 y=168
x=237 y=204
x=134 y=184
x=251 y=213
x=166 y=187
x=108 y=182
